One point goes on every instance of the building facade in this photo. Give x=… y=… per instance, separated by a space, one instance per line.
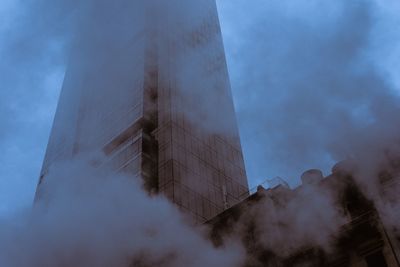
x=358 y=236
x=151 y=92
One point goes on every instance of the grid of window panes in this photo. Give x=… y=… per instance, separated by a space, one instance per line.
x=201 y=166
x=197 y=148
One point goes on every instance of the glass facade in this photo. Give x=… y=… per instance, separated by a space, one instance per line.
x=158 y=104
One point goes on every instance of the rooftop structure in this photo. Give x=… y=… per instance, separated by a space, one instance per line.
x=362 y=239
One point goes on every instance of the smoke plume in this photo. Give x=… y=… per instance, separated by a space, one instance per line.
x=315 y=82
x=91 y=217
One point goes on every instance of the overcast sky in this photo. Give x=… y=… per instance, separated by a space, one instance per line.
x=308 y=77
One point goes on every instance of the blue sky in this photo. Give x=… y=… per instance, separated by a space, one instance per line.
x=309 y=78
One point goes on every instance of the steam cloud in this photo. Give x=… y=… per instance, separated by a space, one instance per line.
x=284 y=228
x=316 y=83
x=313 y=83
x=91 y=217
x=86 y=216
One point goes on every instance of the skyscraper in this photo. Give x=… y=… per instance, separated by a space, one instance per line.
x=149 y=88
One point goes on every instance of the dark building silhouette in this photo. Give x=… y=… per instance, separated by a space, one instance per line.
x=362 y=240
x=156 y=101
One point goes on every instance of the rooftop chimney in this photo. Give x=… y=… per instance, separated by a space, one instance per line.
x=312 y=176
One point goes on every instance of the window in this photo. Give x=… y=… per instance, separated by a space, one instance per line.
x=376 y=259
